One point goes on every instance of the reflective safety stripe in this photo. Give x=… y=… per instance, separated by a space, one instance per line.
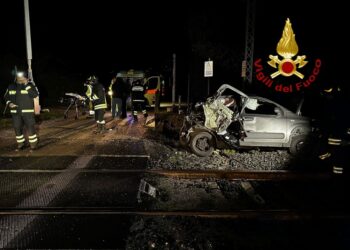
x=27 y=110
x=337 y=170
x=138 y=100
x=137 y=88
x=20 y=140
x=32 y=136
x=8 y=102
x=325 y=156
x=135 y=112
x=89 y=91
x=95 y=97
x=334 y=139
x=13 y=111
x=28 y=88
x=144 y=111
x=101 y=106
x=20 y=137
x=24 y=92
x=12 y=92
x=33 y=140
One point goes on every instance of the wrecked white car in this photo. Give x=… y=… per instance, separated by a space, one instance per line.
x=233 y=119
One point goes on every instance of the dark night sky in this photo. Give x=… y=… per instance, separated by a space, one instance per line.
x=80 y=37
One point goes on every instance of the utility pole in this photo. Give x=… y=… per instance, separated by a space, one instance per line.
x=28 y=39
x=174 y=81
x=29 y=52
x=247 y=64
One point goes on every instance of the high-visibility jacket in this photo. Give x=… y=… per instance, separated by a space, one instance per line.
x=96 y=93
x=21 y=95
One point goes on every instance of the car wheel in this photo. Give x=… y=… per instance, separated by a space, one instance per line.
x=298 y=145
x=202 y=144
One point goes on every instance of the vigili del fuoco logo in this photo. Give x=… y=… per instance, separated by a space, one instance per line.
x=285 y=66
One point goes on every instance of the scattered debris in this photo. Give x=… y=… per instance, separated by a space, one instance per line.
x=147 y=189
x=250 y=191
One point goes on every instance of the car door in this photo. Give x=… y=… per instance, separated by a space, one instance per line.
x=264 y=123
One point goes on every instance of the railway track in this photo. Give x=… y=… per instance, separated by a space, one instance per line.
x=195 y=174
x=272 y=214
x=271 y=175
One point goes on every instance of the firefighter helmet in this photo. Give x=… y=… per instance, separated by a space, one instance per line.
x=21 y=77
x=92 y=80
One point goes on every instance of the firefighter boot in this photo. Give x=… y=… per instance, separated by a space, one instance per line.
x=33 y=145
x=102 y=128
x=98 y=128
x=20 y=146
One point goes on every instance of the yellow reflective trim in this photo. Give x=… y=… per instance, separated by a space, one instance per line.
x=24 y=92
x=20 y=136
x=334 y=143
x=89 y=91
x=8 y=102
x=33 y=140
x=21 y=140
x=337 y=172
x=32 y=136
x=334 y=140
x=12 y=92
x=13 y=111
x=101 y=106
x=27 y=110
x=28 y=88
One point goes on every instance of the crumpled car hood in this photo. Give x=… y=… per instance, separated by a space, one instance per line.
x=217 y=116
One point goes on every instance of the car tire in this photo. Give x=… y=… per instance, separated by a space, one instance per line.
x=202 y=144
x=298 y=145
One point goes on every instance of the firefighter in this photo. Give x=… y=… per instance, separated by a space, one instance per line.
x=117 y=92
x=19 y=97
x=138 y=99
x=96 y=93
x=338 y=130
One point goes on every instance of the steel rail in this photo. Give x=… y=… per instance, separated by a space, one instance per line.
x=270 y=175
x=272 y=214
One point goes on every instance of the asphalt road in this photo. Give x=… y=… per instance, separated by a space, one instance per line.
x=70 y=145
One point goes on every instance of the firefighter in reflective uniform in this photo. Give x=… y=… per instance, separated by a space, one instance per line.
x=19 y=97
x=138 y=99
x=337 y=130
x=96 y=93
